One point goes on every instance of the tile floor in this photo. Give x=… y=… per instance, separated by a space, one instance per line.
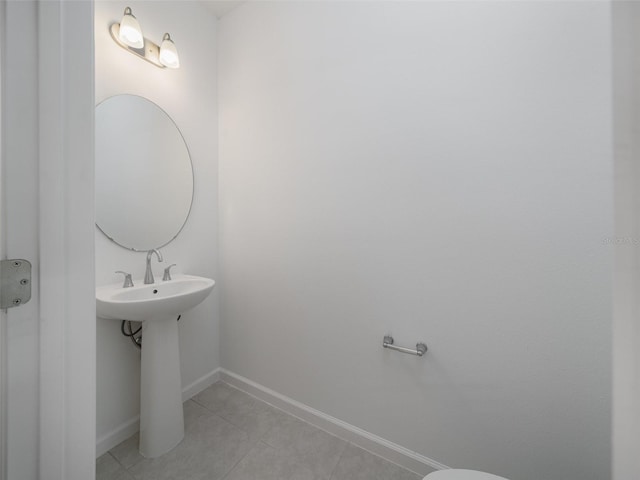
x=231 y=435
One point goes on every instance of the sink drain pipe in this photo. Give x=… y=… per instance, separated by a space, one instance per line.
x=136 y=337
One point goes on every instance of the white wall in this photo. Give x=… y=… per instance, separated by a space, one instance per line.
x=188 y=95
x=626 y=360
x=441 y=171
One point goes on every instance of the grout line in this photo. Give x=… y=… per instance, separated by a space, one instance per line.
x=201 y=404
x=138 y=460
x=224 y=419
x=253 y=441
x=213 y=412
x=117 y=461
x=258 y=438
x=333 y=470
x=289 y=414
x=387 y=450
x=249 y=450
x=232 y=424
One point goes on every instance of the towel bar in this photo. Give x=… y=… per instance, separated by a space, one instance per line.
x=420 y=350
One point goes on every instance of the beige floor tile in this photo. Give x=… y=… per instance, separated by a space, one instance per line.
x=108 y=468
x=358 y=464
x=250 y=414
x=127 y=452
x=211 y=447
x=213 y=398
x=267 y=463
x=311 y=446
x=222 y=428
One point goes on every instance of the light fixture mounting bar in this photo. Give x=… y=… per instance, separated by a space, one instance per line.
x=150 y=52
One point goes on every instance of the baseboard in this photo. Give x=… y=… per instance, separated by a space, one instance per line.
x=119 y=434
x=200 y=384
x=390 y=451
x=125 y=430
x=377 y=445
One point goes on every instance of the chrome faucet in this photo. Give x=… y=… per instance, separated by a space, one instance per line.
x=127 y=279
x=148 y=276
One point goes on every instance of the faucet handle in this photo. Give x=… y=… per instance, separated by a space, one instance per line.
x=127 y=279
x=167 y=272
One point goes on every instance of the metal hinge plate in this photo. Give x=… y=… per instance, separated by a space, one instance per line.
x=15 y=282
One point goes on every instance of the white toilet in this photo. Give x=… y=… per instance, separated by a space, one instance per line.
x=457 y=474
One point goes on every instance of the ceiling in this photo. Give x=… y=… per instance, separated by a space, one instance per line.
x=220 y=7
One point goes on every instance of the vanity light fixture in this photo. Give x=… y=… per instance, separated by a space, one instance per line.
x=168 y=53
x=130 y=32
x=128 y=35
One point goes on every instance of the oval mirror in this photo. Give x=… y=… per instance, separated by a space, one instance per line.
x=144 y=175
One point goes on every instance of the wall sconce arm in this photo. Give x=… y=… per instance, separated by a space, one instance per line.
x=149 y=52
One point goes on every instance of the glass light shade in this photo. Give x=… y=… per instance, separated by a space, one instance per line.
x=168 y=53
x=130 y=31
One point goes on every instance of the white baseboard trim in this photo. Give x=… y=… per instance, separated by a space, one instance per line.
x=377 y=445
x=200 y=384
x=119 y=434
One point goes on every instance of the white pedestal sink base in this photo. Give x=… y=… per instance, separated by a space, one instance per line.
x=161 y=415
x=157 y=305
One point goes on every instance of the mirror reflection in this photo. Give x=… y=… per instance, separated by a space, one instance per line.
x=144 y=175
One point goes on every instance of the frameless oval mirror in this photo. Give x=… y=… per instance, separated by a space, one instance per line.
x=144 y=175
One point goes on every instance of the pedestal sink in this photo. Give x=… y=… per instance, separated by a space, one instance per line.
x=157 y=306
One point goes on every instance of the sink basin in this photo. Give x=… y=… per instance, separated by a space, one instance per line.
x=157 y=306
x=146 y=302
